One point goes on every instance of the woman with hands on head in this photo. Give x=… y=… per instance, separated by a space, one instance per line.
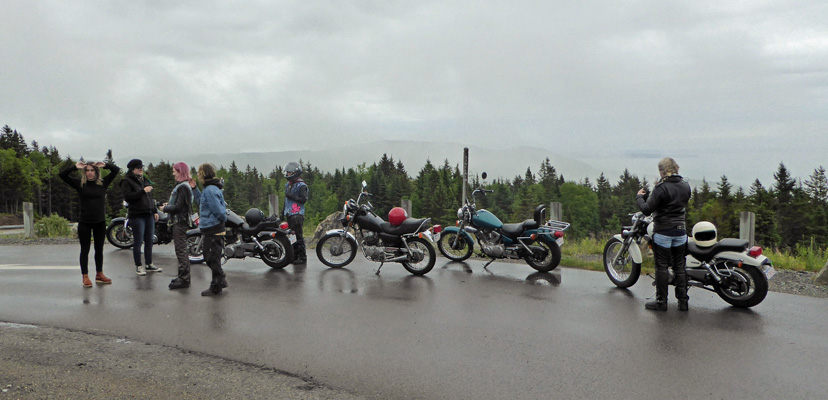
x=91 y=189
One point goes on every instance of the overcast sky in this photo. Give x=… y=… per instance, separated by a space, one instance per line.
x=726 y=87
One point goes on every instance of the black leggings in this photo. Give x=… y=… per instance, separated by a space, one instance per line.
x=85 y=233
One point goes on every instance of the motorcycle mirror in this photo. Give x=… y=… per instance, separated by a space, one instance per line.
x=483 y=175
x=364 y=185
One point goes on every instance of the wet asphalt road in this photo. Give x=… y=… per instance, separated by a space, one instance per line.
x=461 y=332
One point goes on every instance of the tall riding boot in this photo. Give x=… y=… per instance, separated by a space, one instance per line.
x=299 y=254
x=677 y=254
x=662 y=278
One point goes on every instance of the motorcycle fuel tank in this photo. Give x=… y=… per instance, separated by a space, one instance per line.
x=485 y=219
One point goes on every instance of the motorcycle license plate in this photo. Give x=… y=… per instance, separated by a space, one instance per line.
x=559 y=241
x=769 y=271
x=292 y=238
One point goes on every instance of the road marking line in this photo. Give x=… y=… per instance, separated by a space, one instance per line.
x=21 y=266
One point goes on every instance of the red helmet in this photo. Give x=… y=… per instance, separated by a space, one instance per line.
x=396 y=216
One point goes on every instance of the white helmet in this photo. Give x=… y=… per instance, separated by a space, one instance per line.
x=704 y=234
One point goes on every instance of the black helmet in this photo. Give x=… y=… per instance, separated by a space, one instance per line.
x=253 y=216
x=293 y=170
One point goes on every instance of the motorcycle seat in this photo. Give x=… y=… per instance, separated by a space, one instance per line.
x=515 y=230
x=248 y=230
x=410 y=225
x=706 y=254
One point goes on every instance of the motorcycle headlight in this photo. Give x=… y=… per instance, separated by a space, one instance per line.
x=460 y=213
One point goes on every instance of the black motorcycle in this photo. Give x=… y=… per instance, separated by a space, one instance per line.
x=409 y=243
x=119 y=233
x=269 y=239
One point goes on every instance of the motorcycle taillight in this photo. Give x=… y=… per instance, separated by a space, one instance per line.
x=437 y=229
x=558 y=234
x=755 y=251
x=284 y=225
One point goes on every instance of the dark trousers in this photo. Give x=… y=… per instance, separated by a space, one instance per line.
x=670 y=257
x=179 y=232
x=86 y=232
x=143 y=229
x=296 y=222
x=213 y=249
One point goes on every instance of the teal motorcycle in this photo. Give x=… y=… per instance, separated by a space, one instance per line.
x=537 y=241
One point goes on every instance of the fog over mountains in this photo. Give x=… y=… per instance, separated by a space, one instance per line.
x=505 y=163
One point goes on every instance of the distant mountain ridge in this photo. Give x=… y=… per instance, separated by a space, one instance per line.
x=498 y=163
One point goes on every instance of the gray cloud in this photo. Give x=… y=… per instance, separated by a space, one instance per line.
x=736 y=86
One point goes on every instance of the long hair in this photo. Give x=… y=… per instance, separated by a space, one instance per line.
x=206 y=172
x=183 y=171
x=97 y=175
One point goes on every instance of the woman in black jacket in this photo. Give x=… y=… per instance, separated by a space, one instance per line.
x=180 y=208
x=142 y=214
x=668 y=201
x=92 y=223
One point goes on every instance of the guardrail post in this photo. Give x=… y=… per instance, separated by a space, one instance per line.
x=28 y=220
x=747 y=226
x=556 y=211
x=272 y=204
x=406 y=205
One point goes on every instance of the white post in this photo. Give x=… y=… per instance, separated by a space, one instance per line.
x=28 y=220
x=747 y=228
x=556 y=211
x=272 y=204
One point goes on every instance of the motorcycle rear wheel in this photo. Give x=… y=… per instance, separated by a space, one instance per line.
x=625 y=272
x=549 y=262
x=336 y=251
x=119 y=235
x=195 y=248
x=747 y=287
x=278 y=253
x=459 y=252
x=422 y=266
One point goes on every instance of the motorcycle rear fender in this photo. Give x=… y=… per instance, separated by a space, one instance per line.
x=341 y=232
x=119 y=219
x=743 y=257
x=635 y=251
x=463 y=234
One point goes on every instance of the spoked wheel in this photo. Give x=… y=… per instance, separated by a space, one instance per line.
x=745 y=287
x=119 y=235
x=336 y=251
x=422 y=257
x=545 y=260
x=453 y=246
x=623 y=271
x=278 y=253
x=195 y=248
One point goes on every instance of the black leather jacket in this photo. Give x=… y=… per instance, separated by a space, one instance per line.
x=140 y=202
x=669 y=203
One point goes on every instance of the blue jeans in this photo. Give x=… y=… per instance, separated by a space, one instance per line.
x=669 y=241
x=143 y=229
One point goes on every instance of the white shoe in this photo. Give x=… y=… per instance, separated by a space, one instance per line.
x=139 y=269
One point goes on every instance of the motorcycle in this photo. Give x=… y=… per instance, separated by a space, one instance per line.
x=119 y=232
x=268 y=239
x=409 y=243
x=738 y=274
x=536 y=242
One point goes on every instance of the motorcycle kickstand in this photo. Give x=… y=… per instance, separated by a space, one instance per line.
x=378 y=269
x=487 y=264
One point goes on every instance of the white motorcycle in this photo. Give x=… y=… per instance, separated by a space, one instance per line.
x=738 y=274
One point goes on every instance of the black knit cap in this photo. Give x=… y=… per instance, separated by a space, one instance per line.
x=134 y=163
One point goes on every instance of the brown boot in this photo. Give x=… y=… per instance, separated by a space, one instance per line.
x=100 y=278
x=86 y=281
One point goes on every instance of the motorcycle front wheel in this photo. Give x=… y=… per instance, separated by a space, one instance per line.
x=453 y=246
x=336 y=251
x=195 y=248
x=544 y=262
x=278 y=253
x=119 y=235
x=745 y=287
x=423 y=258
x=624 y=272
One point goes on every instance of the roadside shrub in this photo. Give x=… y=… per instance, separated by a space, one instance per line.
x=53 y=226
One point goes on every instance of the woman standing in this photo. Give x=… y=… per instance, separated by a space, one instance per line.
x=669 y=203
x=92 y=223
x=180 y=207
x=212 y=215
x=142 y=214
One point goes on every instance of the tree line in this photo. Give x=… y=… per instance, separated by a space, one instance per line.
x=790 y=213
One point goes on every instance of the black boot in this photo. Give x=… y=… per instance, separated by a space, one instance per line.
x=179 y=283
x=211 y=291
x=658 y=305
x=683 y=306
